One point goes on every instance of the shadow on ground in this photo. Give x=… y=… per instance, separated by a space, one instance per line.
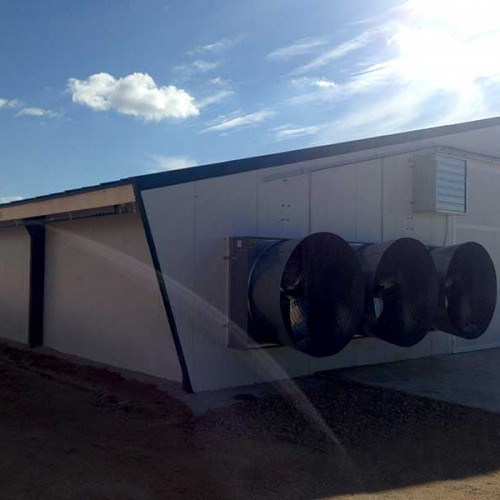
x=70 y=431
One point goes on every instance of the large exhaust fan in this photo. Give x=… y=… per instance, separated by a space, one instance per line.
x=306 y=293
x=314 y=294
x=468 y=289
x=401 y=290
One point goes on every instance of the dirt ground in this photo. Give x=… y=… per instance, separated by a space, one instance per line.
x=69 y=431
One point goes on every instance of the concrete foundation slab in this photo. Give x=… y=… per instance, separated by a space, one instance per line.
x=469 y=379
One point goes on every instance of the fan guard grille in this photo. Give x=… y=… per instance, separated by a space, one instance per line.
x=310 y=291
x=401 y=277
x=468 y=289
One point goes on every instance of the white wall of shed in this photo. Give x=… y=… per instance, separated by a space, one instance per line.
x=482 y=224
x=14 y=283
x=102 y=299
x=366 y=200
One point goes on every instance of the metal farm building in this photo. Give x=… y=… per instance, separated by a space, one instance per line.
x=192 y=275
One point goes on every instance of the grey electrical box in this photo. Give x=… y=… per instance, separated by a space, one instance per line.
x=439 y=184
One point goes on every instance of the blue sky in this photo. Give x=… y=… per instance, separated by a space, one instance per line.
x=92 y=91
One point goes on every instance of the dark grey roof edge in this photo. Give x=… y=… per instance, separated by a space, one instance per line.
x=151 y=181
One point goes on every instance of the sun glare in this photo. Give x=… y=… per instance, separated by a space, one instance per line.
x=448 y=45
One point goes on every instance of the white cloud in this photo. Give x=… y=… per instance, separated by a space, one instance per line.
x=297 y=48
x=136 y=94
x=28 y=110
x=216 y=47
x=425 y=64
x=188 y=70
x=214 y=98
x=308 y=81
x=402 y=109
x=445 y=60
x=163 y=163
x=325 y=84
x=341 y=50
x=233 y=122
x=31 y=112
x=10 y=199
x=37 y=112
x=385 y=17
x=9 y=103
x=384 y=116
x=303 y=81
x=203 y=66
x=371 y=78
x=290 y=131
x=220 y=82
x=366 y=81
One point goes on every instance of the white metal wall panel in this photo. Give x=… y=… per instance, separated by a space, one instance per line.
x=284 y=212
x=369 y=201
x=102 y=299
x=333 y=201
x=369 y=351
x=482 y=224
x=490 y=239
x=483 y=185
x=14 y=283
x=283 y=206
x=191 y=251
x=224 y=206
x=399 y=221
x=484 y=140
x=398 y=217
x=170 y=213
x=347 y=201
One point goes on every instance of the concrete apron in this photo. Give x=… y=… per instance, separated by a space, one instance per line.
x=468 y=379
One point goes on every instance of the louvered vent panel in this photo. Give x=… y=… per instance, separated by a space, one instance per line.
x=450 y=184
x=440 y=184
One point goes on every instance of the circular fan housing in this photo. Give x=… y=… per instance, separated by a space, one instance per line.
x=310 y=292
x=468 y=289
x=401 y=290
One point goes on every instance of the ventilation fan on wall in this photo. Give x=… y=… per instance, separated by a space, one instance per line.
x=315 y=293
x=305 y=293
x=468 y=289
x=401 y=290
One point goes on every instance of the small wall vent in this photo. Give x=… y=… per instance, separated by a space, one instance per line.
x=440 y=184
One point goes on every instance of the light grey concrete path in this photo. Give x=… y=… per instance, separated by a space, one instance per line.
x=468 y=379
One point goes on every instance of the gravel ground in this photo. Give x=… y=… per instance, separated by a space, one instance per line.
x=71 y=431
